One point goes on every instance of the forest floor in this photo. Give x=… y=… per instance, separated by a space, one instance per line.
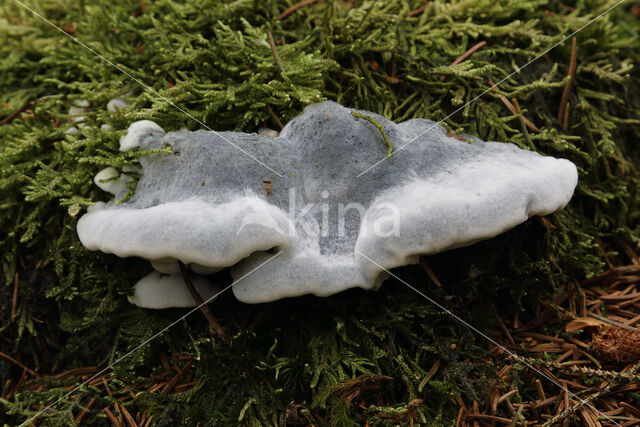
x=541 y=323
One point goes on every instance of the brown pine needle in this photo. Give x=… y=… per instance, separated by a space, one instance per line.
x=14 y=299
x=567 y=87
x=14 y=114
x=504 y=327
x=274 y=50
x=168 y=388
x=485 y=417
x=540 y=390
x=203 y=307
x=419 y=10
x=469 y=52
x=127 y=416
x=112 y=418
x=565 y=120
x=522 y=123
x=273 y=115
x=83 y=412
x=295 y=7
x=545 y=222
x=32 y=372
x=512 y=109
x=429 y=271
x=465 y=55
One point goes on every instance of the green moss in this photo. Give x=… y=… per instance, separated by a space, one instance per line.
x=379 y=127
x=212 y=60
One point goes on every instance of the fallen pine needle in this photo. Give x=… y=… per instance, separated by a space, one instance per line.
x=465 y=55
x=562 y=109
x=295 y=7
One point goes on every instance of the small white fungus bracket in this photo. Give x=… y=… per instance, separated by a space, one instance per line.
x=211 y=206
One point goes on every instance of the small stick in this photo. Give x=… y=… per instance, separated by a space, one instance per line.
x=469 y=52
x=32 y=372
x=14 y=114
x=507 y=396
x=295 y=7
x=567 y=87
x=430 y=273
x=503 y=327
x=475 y=410
x=540 y=390
x=14 y=299
x=274 y=50
x=83 y=412
x=203 y=307
x=489 y=418
x=21 y=381
x=522 y=123
x=512 y=109
x=545 y=222
x=273 y=115
x=174 y=381
x=112 y=417
x=127 y=416
x=419 y=10
x=565 y=121
x=465 y=55
x=459 y=417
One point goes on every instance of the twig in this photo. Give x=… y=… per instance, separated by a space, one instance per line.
x=14 y=299
x=512 y=109
x=565 y=120
x=14 y=114
x=545 y=222
x=273 y=115
x=540 y=390
x=203 y=307
x=83 y=411
x=489 y=418
x=174 y=381
x=430 y=273
x=507 y=395
x=127 y=416
x=503 y=327
x=295 y=7
x=465 y=55
x=522 y=123
x=469 y=52
x=419 y=10
x=274 y=50
x=32 y=372
x=567 y=87
x=112 y=418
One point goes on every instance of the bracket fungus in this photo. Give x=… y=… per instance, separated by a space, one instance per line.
x=212 y=206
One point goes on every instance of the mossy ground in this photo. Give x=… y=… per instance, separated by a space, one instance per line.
x=213 y=59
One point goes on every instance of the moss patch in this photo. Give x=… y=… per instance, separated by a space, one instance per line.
x=213 y=60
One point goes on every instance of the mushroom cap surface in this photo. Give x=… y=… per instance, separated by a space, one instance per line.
x=210 y=204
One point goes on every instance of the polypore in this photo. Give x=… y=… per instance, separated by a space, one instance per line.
x=211 y=206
